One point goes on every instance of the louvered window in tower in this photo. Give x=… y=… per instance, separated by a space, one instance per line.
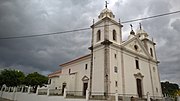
x=114 y=35
x=151 y=51
x=98 y=35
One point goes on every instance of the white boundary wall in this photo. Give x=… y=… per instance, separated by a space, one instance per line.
x=178 y=98
x=18 y=96
x=8 y=95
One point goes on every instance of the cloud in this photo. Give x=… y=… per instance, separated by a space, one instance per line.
x=44 y=54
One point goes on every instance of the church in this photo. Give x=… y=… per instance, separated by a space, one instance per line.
x=129 y=68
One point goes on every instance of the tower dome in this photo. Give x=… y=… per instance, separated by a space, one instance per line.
x=141 y=33
x=106 y=13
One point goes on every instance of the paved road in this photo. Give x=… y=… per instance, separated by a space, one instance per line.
x=2 y=99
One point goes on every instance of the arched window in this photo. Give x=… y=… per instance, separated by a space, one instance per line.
x=137 y=64
x=86 y=66
x=69 y=71
x=98 y=35
x=151 y=51
x=115 y=69
x=116 y=84
x=136 y=47
x=114 y=35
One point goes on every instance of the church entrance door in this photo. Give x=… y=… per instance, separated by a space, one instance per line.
x=63 y=87
x=85 y=86
x=139 y=87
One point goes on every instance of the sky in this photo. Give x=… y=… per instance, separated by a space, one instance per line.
x=44 y=54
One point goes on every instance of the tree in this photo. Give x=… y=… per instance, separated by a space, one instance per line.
x=169 y=88
x=11 y=77
x=35 y=79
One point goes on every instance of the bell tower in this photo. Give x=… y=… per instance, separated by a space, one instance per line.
x=106 y=28
x=105 y=32
x=148 y=44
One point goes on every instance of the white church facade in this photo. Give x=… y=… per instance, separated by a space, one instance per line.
x=129 y=67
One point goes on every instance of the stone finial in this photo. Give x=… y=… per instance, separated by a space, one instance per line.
x=140 y=26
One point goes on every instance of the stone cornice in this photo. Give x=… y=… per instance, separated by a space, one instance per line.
x=139 y=55
x=106 y=42
x=149 y=41
x=106 y=18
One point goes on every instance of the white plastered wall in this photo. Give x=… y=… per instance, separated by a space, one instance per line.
x=115 y=76
x=74 y=79
x=130 y=70
x=98 y=70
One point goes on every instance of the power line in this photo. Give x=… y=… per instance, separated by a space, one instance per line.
x=28 y=36
x=82 y=29
x=150 y=17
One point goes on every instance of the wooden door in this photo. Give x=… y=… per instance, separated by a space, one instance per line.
x=63 y=87
x=85 y=86
x=139 y=87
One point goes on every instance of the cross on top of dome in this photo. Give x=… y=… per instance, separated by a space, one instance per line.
x=106 y=3
x=106 y=12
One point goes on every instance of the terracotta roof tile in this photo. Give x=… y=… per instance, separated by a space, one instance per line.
x=55 y=74
x=72 y=61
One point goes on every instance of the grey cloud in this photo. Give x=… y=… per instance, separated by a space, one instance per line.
x=38 y=53
x=176 y=25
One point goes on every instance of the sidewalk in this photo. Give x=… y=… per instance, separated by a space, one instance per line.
x=2 y=99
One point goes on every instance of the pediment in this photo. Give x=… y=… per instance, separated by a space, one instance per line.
x=101 y=22
x=85 y=78
x=139 y=75
x=135 y=45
